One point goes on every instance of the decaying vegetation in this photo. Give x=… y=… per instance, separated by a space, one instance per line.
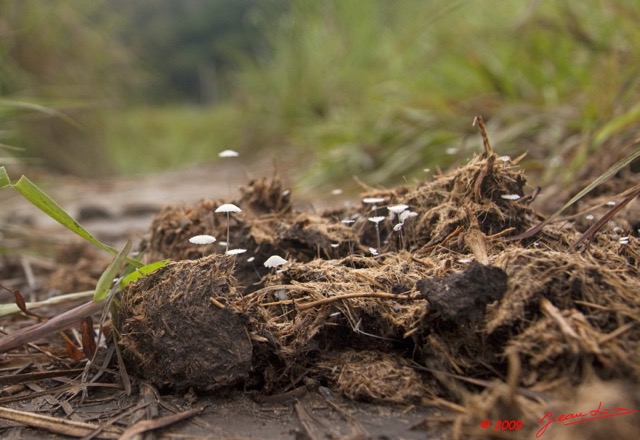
x=453 y=292
x=448 y=307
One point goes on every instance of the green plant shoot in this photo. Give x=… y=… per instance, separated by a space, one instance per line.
x=106 y=279
x=143 y=271
x=46 y=204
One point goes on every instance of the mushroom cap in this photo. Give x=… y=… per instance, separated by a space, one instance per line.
x=274 y=261
x=406 y=214
x=373 y=200
x=377 y=219
x=235 y=251
x=228 y=153
x=202 y=239
x=228 y=207
x=397 y=209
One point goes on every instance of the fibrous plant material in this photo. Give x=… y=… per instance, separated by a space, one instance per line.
x=373 y=376
x=174 y=336
x=451 y=296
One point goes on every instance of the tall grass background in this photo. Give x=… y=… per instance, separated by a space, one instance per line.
x=377 y=89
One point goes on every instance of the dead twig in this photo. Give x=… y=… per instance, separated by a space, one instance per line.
x=591 y=232
x=57 y=425
x=30 y=334
x=488 y=151
x=150 y=425
x=324 y=301
x=595 y=183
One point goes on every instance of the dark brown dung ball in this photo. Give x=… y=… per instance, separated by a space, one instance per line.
x=174 y=336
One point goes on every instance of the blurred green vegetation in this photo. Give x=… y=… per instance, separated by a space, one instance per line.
x=59 y=71
x=189 y=48
x=385 y=89
x=372 y=88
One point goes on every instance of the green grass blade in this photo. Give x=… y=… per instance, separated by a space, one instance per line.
x=142 y=271
x=602 y=178
x=595 y=183
x=23 y=105
x=106 y=279
x=4 y=178
x=46 y=204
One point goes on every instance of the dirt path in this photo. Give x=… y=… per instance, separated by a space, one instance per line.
x=116 y=207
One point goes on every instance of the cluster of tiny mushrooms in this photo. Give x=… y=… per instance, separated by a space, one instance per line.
x=402 y=213
x=205 y=239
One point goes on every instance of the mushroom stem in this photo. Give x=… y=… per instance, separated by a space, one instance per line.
x=228 y=221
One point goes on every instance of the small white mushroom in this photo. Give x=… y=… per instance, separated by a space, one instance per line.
x=397 y=209
x=372 y=200
x=404 y=215
x=274 y=261
x=377 y=220
x=228 y=153
x=510 y=196
x=235 y=251
x=228 y=207
x=202 y=239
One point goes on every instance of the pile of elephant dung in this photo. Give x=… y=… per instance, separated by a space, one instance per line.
x=442 y=295
x=174 y=336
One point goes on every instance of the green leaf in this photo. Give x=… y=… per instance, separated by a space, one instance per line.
x=4 y=178
x=142 y=271
x=46 y=204
x=106 y=279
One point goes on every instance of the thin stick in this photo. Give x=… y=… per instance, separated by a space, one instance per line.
x=603 y=177
x=353 y=295
x=34 y=332
x=216 y=303
x=55 y=424
x=150 y=425
x=488 y=151
x=591 y=232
